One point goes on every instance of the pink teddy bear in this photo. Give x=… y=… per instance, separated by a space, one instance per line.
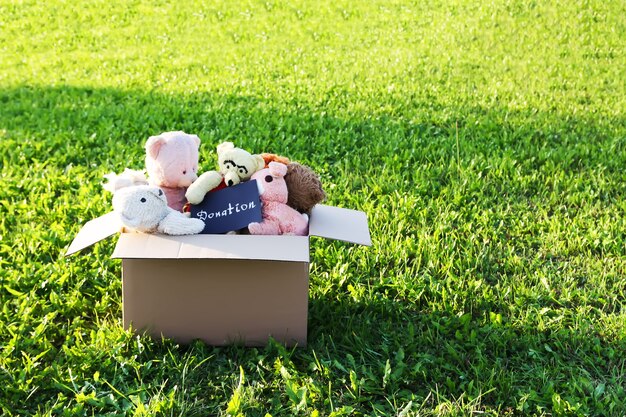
x=278 y=217
x=172 y=164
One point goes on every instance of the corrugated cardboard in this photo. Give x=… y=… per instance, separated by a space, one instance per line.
x=220 y=288
x=220 y=301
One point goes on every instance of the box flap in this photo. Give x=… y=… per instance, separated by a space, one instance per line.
x=94 y=231
x=157 y=246
x=340 y=224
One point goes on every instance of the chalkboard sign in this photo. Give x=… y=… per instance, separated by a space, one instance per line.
x=229 y=209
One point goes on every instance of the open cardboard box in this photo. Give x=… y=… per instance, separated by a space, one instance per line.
x=221 y=289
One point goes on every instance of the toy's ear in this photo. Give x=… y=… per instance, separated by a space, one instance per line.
x=277 y=169
x=153 y=146
x=196 y=140
x=260 y=162
x=225 y=146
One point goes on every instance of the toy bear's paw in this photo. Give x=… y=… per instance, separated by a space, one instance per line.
x=205 y=183
x=176 y=223
x=254 y=228
x=194 y=195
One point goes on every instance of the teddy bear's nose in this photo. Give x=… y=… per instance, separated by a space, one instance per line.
x=230 y=183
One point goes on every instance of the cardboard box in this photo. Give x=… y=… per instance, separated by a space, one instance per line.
x=221 y=289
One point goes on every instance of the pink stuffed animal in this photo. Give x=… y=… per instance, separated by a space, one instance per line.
x=172 y=164
x=278 y=217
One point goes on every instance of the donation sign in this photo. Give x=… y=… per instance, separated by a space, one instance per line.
x=229 y=209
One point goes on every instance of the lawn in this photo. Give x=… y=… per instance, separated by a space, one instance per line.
x=486 y=143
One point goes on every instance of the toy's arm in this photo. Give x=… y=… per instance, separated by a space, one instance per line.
x=176 y=223
x=266 y=227
x=205 y=183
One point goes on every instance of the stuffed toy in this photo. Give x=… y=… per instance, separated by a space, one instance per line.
x=272 y=157
x=235 y=165
x=127 y=178
x=172 y=164
x=303 y=185
x=144 y=208
x=278 y=217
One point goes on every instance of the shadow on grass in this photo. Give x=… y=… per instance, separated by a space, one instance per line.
x=392 y=347
x=82 y=125
x=395 y=348
x=106 y=127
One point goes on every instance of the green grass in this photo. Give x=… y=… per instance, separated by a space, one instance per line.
x=486 y=142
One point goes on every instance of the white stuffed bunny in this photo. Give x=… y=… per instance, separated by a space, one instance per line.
x=144 y=208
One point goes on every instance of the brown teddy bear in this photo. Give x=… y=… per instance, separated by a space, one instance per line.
x=303 y=185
